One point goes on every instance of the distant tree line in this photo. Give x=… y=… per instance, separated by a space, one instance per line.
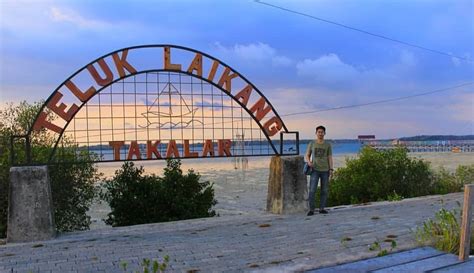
x=437 y=137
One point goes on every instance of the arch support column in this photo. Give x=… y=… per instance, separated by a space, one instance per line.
x=287 y=185
x=30 y=206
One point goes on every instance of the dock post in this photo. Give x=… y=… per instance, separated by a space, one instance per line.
x=465 y=241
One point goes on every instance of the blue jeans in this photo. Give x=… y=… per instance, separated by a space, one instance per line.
x=313 y=184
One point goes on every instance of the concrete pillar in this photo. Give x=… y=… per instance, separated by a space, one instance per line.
x=287 y=185
x=30 y=206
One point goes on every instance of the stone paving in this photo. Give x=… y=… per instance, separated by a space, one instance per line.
x=265 y=242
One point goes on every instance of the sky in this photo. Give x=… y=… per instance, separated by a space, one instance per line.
x=300 y=64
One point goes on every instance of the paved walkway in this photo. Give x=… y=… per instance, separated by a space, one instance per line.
x=270 y=243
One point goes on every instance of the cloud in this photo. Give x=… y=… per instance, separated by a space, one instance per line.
x=434 y=114
x=292 y=100
x=328 y=68
x=330 y=71
x=68 y=15
x=407 y=58
x=254 y=52
x=455 y=61
x=458 y=62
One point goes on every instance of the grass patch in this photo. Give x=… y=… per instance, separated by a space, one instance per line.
x=443 y=231
x=375 y=246
x=345 y=240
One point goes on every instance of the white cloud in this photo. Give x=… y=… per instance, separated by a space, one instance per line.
x=43 y=21
x=258 y=52
x=23 y=17
x=457 y=62
x=332 y=72
x=327 y=67
x=408 y=58
x=68 y=15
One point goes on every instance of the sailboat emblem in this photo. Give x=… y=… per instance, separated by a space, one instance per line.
x=170 y=110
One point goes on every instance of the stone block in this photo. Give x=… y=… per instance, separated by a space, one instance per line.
x=287 y=185
x=30 y=206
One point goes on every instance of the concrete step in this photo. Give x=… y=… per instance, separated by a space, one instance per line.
x=382 y=262
x=457 y=268
x=416 y=260
x=422 y=265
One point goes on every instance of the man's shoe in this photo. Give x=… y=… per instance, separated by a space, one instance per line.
x=323 y=211
x=310 y=213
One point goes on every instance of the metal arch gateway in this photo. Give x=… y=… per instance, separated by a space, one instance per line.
x=203 y=102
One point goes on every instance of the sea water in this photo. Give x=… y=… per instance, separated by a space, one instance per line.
x=224 y=164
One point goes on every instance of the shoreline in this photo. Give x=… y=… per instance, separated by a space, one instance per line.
x=244 y=192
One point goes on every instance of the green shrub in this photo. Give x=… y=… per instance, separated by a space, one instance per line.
x=137 y=199
x=72 y=185
x=378 y=175
x=446 y=182
x=394 y=197
x=443 y=232
x=465 y=175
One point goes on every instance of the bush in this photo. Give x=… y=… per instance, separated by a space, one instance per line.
x=446 y=182
x=464 y=175
x=72 y=185
x=443 y=232
x=378 y=175
x=138 y=199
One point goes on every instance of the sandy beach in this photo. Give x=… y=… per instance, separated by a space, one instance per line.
x=244 y=192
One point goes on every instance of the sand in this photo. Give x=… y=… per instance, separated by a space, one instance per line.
x=244 y=191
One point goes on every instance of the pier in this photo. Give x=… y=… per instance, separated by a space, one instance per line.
x=455 y=146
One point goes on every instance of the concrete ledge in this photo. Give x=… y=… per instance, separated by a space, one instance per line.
x=30 y=206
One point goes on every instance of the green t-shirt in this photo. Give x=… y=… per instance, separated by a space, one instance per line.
x=321 y=153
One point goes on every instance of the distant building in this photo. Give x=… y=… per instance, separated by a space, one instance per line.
x=397 y=142
x=366 y=139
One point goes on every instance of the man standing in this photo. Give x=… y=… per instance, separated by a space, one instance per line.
x=322 y=168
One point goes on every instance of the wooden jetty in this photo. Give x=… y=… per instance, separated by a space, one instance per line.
x=455 y=146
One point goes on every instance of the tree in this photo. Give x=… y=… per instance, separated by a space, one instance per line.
x=72 y=185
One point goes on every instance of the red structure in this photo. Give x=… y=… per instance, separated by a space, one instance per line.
x=366 y=137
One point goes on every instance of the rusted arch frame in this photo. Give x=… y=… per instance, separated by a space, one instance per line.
x=196 y=76
x=164 y=70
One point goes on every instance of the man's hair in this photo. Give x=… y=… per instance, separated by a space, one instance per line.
x=321 y=127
